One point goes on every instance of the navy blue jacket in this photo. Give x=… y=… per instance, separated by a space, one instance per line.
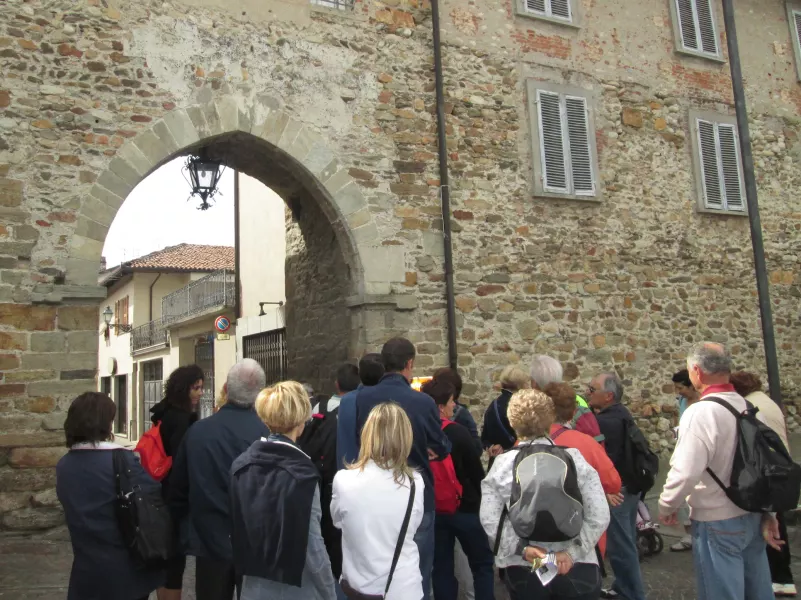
x=495 y=430
x=463 y=416
x=347 y=434
x=426 y=424
x=611 y=421
x=102 y=568
x=272 y=490
x=199 y=497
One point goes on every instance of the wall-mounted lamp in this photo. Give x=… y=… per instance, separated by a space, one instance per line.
x=107 y=315
x=261 y=306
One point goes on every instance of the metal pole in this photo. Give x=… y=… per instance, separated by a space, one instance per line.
x=445 y=190
x=763 y=287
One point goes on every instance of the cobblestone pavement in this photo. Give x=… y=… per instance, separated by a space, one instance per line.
x=39 y=570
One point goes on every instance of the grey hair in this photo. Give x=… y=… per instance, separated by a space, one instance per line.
x=545 y=370
x=613 y=384
x=711 y=358
x=245 y=380
x=309 y=389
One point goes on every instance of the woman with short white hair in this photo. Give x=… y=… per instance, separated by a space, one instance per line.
x=532 y=413
x=497 y=434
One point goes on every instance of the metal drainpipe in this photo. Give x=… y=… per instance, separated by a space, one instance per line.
x=150 y=308
x=445 y=196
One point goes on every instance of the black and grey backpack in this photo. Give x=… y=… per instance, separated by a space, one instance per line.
x=546 y=503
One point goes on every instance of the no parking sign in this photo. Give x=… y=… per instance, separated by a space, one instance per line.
x=222 y=324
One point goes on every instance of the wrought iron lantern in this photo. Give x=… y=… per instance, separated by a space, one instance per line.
x=204 y=175
x=120 y=328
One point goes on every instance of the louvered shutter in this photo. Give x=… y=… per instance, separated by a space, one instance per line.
x=535 y=6
x=707 y=144
x=561 y=9
x=706 y=26
x=730 y=163
x=797 y=23
x=689 y=38
x=552 y=148
x=579 y=141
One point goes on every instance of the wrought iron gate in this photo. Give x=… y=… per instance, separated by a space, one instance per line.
x=204 y=358
x=153 y=389
x=269 y=350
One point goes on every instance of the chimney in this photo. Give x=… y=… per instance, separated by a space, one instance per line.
x=102 y=263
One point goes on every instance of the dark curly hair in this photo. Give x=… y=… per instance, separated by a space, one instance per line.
x=180 y=381
x=89 y=419
x=745 y=383
x=440 y=390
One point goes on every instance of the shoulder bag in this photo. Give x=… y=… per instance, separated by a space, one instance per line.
x=353 y=594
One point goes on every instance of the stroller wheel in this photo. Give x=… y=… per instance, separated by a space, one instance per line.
x=657 y=543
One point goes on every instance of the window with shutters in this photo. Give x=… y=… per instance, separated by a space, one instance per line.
x=563 y=135
x=718 y=168
x=558 y=11
x=794 y=19
x=695 y=28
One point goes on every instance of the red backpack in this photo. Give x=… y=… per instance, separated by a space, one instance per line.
x=152 y=455
x=447 y=489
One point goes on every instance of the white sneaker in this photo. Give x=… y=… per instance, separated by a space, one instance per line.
x=684 y=544
x=784 y=589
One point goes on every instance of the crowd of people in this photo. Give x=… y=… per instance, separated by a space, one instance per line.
x=380 y=491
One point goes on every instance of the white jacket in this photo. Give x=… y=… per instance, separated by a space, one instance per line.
x=496 y=490
x=368 y=506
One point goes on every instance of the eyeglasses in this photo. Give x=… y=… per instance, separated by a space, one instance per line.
x=591 y=389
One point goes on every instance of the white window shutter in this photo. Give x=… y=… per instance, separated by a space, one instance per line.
x=534 y=6
x=706 y=26
x=561 y=9
x=578 y=138
x=708 y=149
x=797 y=23
x=552 y=149
x=730 y=164
x=686 y=14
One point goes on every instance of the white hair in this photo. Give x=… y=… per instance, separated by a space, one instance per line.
x=545 y=370
x=245 y=380
x=711 y=358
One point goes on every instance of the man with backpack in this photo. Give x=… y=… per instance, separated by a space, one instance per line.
x=319 y=441
x=371 y=370
x=627 y=449
x=729 y=535
x=199 y=498
x=457 y=498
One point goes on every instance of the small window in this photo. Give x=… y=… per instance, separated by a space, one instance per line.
x=565 y=158
x=794 y=18
x=335 y=4
x=695 y=28
x=719 y=172
x=559 y=11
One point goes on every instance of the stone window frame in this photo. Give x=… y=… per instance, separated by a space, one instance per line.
x=591 y=101
x=700 y=187
x=677 y=30
x=794 y=22
x=575 y=20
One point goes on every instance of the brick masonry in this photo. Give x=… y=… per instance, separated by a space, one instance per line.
x=335 y=111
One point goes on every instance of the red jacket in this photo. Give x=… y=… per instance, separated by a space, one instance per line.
x=594 y=454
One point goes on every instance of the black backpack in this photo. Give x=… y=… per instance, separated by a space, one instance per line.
x=642 y=464
x=142 y=516
x=763 y=477
x=319 y=441
x=545 y=504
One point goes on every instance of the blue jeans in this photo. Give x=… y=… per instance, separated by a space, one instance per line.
x=622 y=548
x=424 y=538
x=582 y=582
x=467 y=528
x=730 y=559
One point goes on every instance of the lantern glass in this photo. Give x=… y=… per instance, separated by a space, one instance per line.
x=107 y=314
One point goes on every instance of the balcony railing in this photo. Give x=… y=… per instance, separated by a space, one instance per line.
x=215 y=289
x=148 y=335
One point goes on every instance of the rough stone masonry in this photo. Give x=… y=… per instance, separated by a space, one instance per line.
x=335 y=109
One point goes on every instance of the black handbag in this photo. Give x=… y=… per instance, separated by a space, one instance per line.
x=357 y=595
x=142 y=516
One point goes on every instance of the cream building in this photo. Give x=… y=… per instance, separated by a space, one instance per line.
x=163 y=306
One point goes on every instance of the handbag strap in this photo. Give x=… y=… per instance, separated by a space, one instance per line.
x=402 y=536
x=504 y=512
x=500 y=422
x=120 y=474
x=558 y=433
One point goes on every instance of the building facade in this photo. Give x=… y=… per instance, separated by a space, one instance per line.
x=597 y=202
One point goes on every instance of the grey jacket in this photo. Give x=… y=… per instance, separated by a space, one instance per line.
x=318 y=582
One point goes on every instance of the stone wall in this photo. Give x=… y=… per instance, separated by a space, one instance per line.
x=339 y=106
x=317 y=279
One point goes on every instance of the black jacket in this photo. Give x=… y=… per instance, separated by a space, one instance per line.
x=174 y=424
x=463 y=416
x=272 y=489
x=498 y=431
x=199 y=497
x=611 y=421
x=467 y=464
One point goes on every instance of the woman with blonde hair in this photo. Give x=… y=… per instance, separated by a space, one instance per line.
x=378 y=504
x=275 y=498
x=532 y=414
x=497 y=433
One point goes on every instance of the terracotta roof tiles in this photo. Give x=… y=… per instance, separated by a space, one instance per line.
x=186 y=257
